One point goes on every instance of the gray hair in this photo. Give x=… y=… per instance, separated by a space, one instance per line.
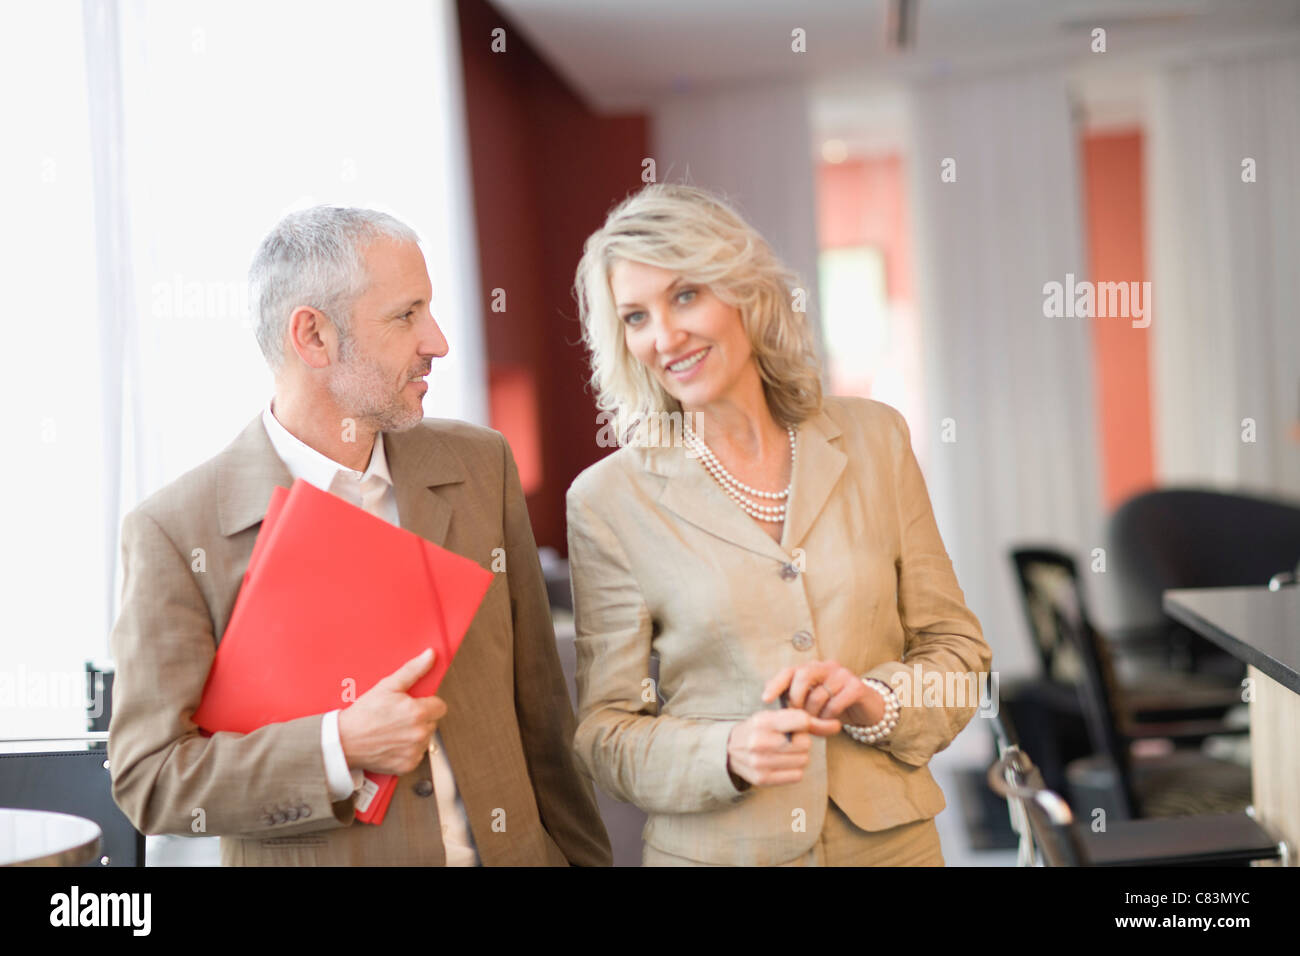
x=314 y=258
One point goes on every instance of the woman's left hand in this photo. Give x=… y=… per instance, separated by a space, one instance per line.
x=829 y=690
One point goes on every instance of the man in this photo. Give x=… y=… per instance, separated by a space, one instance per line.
x=487 y=772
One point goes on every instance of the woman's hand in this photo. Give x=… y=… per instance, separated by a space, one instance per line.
x=773 y=746
x=828 y=690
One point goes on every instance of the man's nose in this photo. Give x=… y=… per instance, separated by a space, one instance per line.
x=432 y=341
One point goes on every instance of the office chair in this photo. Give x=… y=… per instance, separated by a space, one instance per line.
x=1182 y=783
x=1050 y=834
x=1050 y=706
x=1194 y=538
x=1052 y=597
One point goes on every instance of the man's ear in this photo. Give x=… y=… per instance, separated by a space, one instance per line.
x=312 y=337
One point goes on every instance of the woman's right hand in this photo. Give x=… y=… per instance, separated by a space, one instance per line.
x=760 y=753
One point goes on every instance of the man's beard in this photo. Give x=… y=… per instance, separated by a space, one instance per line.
x=363 y=389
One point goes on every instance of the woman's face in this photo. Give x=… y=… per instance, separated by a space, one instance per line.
x=693 y=343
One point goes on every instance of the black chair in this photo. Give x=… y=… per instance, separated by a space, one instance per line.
x=1050 y=834
x=1190 y=538
x=1052 y=597
x=1182 y=783
x=76 y=782
x=1050 y=707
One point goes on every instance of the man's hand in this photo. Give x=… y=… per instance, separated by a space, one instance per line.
x=773 y=746
x=387 y=730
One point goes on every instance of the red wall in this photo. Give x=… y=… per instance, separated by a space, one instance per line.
x=546 y=170
x=1112 y=167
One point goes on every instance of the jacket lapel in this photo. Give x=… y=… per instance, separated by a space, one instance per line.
x=818 y=465
x=248 y=470
x=418 y=466
x=691 y=493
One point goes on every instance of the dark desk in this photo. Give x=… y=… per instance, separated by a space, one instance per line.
x=1254 y=625
x=1261 y=628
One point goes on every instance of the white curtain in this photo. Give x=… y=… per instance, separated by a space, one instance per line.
x=1226 y=271
x=754 y=146
x=1015 y=385
x=153 y=146
x=57 y=548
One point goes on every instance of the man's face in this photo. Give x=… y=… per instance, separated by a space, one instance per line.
x=393 y=341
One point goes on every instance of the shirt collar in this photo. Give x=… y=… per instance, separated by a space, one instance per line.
x=307 y=463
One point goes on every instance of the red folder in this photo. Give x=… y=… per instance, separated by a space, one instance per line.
x=334 y=599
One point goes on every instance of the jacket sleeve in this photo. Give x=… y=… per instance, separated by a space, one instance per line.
x=565 y=798
x=663 y=764
x=166 y=776
x=942 y=637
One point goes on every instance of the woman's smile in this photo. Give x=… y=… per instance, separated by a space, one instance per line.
x=686 y=367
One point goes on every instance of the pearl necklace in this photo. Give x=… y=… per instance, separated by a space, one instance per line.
x=737 y=489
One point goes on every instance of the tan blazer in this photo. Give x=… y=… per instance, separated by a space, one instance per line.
x=662 y=560
x=508 y=728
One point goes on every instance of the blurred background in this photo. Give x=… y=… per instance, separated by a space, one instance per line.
x=932 y=169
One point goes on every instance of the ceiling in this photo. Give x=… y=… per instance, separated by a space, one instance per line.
x=626 y=55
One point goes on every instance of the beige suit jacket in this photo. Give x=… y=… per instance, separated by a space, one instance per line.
x=508 y=730
x=662 y=560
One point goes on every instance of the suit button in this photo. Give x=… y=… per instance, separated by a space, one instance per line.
x=281 y=816
x=802 y=641
x=424 y=788
x=292 y=813
x=789 y=572
x=304 y=811
x=268 y=820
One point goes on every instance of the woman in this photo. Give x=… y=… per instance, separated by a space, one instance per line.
x=777 y=552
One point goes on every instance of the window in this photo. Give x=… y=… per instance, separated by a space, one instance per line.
x=155 y=146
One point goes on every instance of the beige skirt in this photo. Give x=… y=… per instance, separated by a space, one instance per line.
x=842 y=843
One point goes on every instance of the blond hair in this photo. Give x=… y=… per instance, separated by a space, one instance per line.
x=698 y=236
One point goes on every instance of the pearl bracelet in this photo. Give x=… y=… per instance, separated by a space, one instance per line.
x=882 y=728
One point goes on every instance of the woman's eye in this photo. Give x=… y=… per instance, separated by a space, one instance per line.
x=632 y=318
x=688 y=293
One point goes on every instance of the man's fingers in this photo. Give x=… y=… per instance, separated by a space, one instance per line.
x=406 y=675
x=434 y=707
x=779 y=682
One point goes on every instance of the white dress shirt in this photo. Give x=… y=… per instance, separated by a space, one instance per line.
x=373 y=491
